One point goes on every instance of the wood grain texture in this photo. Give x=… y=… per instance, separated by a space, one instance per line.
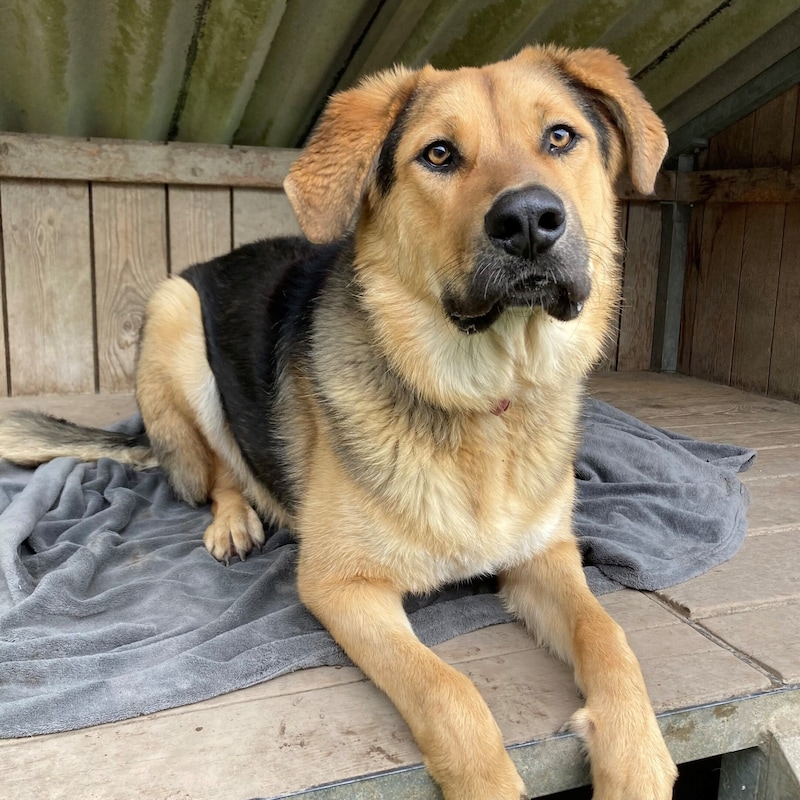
x=758 y=288
x=690 y=283
x=757 y=571
x=732 y=148
x=769 y=635
x=751 y=185
x=717 y=292
x=85 y=409
x=639 y=286
x=261 y=213
x=3 y=364
x=199 y=225
x=664 y=189
x=784 y=373
x=110 y=160
x=796 y=138
x=47 y=250
x=130 y=240
x=773 y=131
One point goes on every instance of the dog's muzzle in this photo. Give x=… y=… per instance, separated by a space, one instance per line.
x=532 y=256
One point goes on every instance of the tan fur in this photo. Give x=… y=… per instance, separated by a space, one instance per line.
x=452 y=490
x=495 y=492
x=180 y=405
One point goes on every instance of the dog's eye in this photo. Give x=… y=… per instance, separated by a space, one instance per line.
x=560 y=139
x=439 y=155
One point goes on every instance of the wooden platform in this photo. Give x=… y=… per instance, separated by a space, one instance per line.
x=720 y=654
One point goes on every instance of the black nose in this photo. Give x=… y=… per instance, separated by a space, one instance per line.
x=526 y=222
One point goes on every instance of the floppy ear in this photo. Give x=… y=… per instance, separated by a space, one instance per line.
x=326 y=183
x=604 y=77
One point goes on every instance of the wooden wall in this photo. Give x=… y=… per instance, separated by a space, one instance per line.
x=80 y=256
x=90 y=227
x=640 y=230
x=741 y=315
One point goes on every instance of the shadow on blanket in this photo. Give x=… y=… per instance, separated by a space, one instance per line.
x=110 y=607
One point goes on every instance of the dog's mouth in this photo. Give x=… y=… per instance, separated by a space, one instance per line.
x=470 y=323
x=562 y=300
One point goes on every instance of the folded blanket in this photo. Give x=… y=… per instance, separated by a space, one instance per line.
x=110 y=606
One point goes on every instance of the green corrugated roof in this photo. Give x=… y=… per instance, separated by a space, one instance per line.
x=257 y=71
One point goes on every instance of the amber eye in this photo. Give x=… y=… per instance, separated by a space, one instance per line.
x=560 y=138
x=439 y=154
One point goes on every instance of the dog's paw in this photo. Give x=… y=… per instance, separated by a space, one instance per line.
x=236 y=530
x=629 y=759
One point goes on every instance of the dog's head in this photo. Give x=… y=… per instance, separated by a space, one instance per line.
x=478 y=191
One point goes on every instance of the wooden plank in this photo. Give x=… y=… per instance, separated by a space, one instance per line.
x=758 y=288
x=757 y=571
x=199 y=225
x=717 y=292
x=690 y=283
x=753 y=185
x=784 y=371
x=35 y=156
x=732 y=148
x=639 y=286
x=691 y=406
x=130 y=241
x=796 y=142
x=664 y=190
x=774 y=462
x=49 y=286
x=113 y=160
x=774 y=504
x=676 y=389
x=85 y=409
x=769 y=636
x=3 y=364
x=759 y=432
x=262 y=213
x=773 y=132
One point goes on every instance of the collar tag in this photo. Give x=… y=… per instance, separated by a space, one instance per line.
x=501 y=407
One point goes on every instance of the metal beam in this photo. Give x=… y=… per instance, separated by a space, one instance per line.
x=675 y=218
x=557 y=763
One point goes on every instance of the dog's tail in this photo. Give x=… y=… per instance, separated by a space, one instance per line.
x=29 y=438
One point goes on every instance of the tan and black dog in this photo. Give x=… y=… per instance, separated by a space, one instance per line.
x=405 y=394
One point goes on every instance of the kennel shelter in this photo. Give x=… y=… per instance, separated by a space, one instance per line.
x=157 y=135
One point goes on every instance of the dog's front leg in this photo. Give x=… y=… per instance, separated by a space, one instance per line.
x=628 y=757
x=460 y=741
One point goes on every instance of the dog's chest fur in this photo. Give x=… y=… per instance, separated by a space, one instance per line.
x=468 y=493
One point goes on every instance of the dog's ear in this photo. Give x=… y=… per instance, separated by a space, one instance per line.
x=326 y=183
x=604 y=77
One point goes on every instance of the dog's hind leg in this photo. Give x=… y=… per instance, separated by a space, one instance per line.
x=172 y=375
x=183 y=415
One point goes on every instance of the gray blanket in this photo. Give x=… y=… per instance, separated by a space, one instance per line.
x=110 y=607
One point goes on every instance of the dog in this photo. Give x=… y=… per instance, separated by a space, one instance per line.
x=402 y=388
